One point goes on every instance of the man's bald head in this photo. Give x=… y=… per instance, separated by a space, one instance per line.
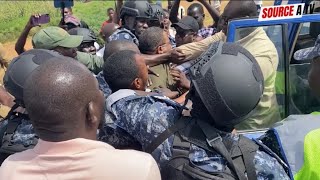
x=108 y=29
x=63 y=101
x=239 y=9
x=236 y=9
x=119 y=45
x=196 y=11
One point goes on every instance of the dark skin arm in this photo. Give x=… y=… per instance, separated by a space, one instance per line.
x=174 y=12
x=5 y=98
x=116 y=16
x=19 y=47
x=156 y=59
x=213 y=12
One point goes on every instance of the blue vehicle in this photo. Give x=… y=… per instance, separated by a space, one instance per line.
x=288 y=35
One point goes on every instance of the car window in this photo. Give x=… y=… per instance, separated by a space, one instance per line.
x=269 y=46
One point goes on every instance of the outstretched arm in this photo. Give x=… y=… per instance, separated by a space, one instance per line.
x=174 y=12
x=212 y=11
x=116 y=16
x=19 y=47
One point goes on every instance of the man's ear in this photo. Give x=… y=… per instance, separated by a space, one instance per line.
x=160 y=50
x=92 y=115
x=203 y=15
x=136 y=84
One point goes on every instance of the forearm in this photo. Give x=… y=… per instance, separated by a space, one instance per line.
x=116 y=16
x=182 y=98
x=19 y=47
x=174 y=12
x=212 y=11
x=92 y=62
x=195 y=49
x=156 y=59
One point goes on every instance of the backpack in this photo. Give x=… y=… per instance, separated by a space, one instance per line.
x=7 y=147
x=238 y=155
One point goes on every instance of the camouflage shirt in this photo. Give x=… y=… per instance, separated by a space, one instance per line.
x=24 y=133
x=146 y=117
x=103 y=86
x=124 y=34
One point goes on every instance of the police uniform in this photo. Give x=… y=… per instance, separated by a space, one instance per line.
x=124 y=34
x=103 y=86
x=146 y=117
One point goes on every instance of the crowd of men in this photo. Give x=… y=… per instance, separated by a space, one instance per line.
x=162 y=99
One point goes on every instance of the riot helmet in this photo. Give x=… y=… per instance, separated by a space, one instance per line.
x=228 y=81
x=157 y=15
x=21 y=67
x=88 y=35
x=136 y=8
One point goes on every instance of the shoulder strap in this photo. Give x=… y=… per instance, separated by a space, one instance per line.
x=178 y=125
x=248 y=150
x=215 y=141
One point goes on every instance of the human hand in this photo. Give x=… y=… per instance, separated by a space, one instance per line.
x=180 y=78
x=177 y=56
x=30 y=22
x=167 y=92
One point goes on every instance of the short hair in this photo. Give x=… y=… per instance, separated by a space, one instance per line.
x=120 y=70
x=52 y=92
x=150 y=39
x=195 y=6
x=109 y=9
x=118 y=45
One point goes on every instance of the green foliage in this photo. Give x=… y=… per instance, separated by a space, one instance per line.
x=15 y=14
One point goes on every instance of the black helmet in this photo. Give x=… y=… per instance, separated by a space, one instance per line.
x=21 y=67
x=88 y=35
x=157 y=12
x=229 y=82
x=136 y=8
x=157 y=15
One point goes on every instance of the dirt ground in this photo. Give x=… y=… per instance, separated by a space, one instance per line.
x=9 y=46
x=12 y=53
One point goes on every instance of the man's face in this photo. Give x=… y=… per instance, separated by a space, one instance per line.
x=166 y=46
x=143 y=72
x=141 y=25
x=314 y=76
x=110 y=14
x=183 y=36
x=166 y=21
x=196 y=14
x=88 y=47
x=67 y=11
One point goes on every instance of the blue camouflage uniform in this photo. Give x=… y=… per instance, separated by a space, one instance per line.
x=24 y=133
x=146 y=117
x=124 y=34
x=103 y=86
x=172 y=41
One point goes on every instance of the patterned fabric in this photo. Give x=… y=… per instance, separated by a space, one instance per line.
x=103 y=86
x=172 y=41
x=206 y=32
x=124 y=34
x=146 y=117
x=309 y=53
x=24 y=133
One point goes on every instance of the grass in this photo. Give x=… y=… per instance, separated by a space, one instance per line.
x=15 y=14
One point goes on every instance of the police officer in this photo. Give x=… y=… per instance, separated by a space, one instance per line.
x=227 y=84
x=88 y=42
x=16 y=131
x=135 y=16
